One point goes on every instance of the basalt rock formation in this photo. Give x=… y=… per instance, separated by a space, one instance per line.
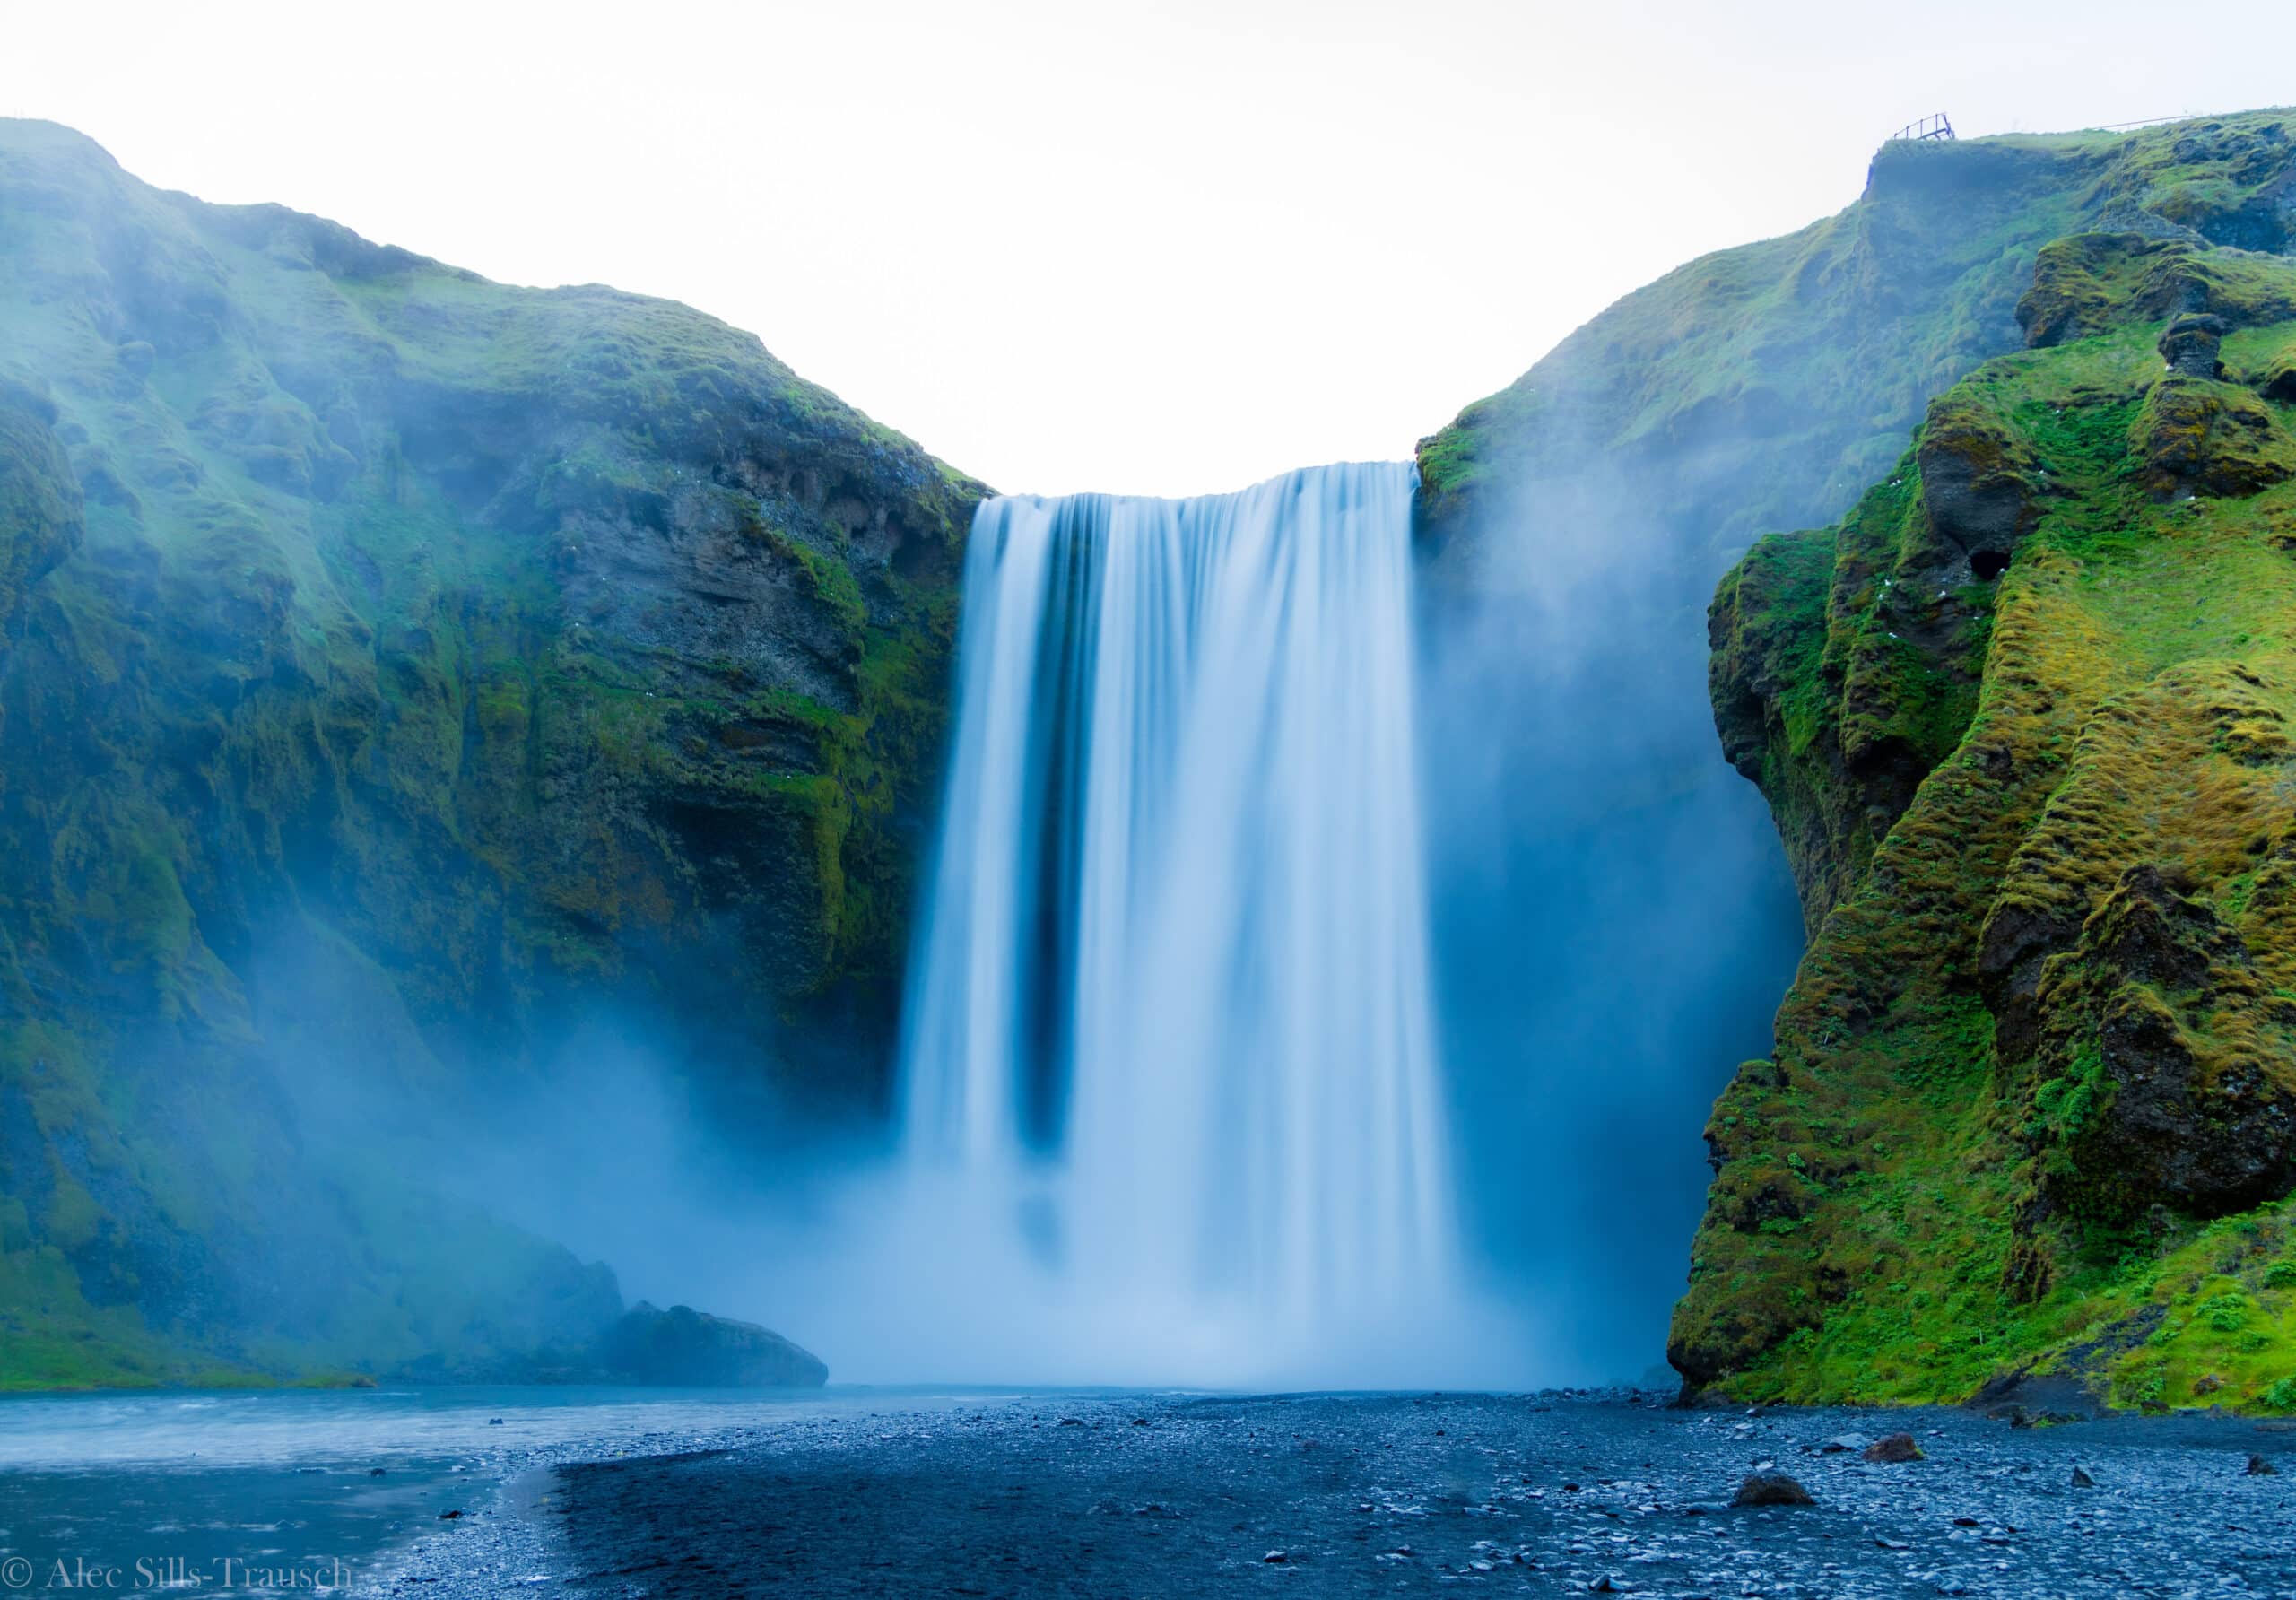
x=400 y=669
x=2023 y=717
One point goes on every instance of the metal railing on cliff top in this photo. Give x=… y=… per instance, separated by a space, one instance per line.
x=1928 y=127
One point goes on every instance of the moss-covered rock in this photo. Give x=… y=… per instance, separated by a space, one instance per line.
x=2196 y=435
x=504 y=656
x=1844 y=664
x=2032 y=1109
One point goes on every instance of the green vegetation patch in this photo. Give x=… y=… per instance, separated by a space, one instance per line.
x=2023 y=1113
x=554 y=652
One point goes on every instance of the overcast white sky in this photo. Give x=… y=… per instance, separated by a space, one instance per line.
x=1170 y=247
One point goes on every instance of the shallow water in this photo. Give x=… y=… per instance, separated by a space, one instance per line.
x=381 y=1427
x=1106 y=1493
x=280 y=1491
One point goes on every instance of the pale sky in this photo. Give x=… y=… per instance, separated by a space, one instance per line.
x=1167 y=249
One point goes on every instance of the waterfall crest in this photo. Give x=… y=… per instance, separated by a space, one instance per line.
x=1170 y=1025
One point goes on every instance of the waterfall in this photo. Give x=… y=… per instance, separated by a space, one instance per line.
x=1169 y=1029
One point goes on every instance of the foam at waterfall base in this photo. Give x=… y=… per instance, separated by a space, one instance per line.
x=959 y=1293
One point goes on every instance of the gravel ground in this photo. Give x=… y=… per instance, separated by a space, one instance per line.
x=1317 y=1495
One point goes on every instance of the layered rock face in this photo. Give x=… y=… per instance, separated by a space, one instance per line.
x=401 y=669
x=2022 y=717
x=1618 y=937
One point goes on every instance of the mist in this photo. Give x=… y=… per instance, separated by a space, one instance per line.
x=576 y=931
x=619 y=1147
x=1613 y=920
x=1612 y=925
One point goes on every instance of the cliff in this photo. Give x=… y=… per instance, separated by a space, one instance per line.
x=402 y=673
x=1763 y=387
x=2022 y=716
x=402 y=670
x=1614 y=922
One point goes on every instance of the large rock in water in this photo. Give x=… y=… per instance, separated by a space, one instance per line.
x=691 y=1349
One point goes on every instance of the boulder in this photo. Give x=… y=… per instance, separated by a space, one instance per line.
x=1893 y=1448
x=691 y=1349
x=1771 y=1489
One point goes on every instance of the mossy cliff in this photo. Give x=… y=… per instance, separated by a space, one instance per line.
x=468 y=661
x=1764 y=386
x=2023 y=718
x=1574 y=527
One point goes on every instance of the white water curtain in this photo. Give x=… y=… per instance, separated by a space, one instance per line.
x=1169 y=1012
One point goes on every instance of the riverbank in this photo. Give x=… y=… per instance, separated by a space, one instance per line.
x=245 y=1492
x=1382 y=1494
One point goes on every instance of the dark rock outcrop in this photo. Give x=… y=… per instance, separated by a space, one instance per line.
x=1980 y=486
x=690 y=1349
x=2162 y=1072
x=2194 y=436
x=2189 y=344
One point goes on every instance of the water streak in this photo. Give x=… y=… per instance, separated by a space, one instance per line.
x=1170 y=1021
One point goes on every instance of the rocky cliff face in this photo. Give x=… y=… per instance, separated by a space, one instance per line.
x=389 y=645
x=2022 y=716
x=1611 y=947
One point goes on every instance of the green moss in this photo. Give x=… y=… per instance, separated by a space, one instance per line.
x=2078 y=900
x=2193 y=436
x=546 y=649
x=1775 y=379
x=832 y=584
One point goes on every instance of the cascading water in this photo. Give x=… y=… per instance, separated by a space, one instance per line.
x=1169 y=1030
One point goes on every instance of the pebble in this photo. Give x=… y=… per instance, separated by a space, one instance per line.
x=968 y=1489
